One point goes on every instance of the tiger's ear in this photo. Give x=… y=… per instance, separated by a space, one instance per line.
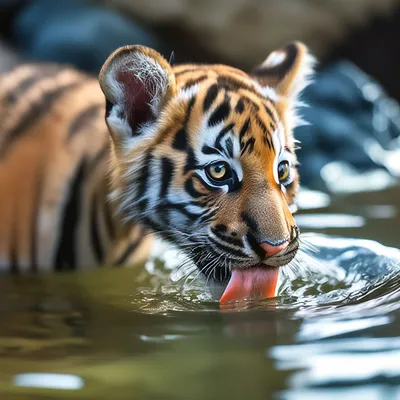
x=137 y=82
x=287 y=71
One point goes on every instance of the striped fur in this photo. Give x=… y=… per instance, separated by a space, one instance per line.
x=169 y=127
x=54 y=154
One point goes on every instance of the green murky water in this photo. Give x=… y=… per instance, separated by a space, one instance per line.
x=144 y=334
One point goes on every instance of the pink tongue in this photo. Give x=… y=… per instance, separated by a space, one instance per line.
x=254 y=282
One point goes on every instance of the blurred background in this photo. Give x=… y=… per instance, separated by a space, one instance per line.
x=354 y=113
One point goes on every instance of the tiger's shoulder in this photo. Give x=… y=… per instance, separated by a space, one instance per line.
x=54 y=146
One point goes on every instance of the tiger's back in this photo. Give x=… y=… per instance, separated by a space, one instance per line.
x=54 y=149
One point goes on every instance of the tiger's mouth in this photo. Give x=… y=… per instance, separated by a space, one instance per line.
x=258 y=281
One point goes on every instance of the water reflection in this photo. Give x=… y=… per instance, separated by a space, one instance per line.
x=340 y=177
x=308 y=199
x=340 y=361
x=322 y=221
x=49 y=381
x=367 y=392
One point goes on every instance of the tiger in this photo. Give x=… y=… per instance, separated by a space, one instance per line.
x=201 y=155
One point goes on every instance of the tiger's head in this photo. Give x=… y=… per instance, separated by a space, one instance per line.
x=204 y=155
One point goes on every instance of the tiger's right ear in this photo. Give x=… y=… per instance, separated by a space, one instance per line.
x=137 y=82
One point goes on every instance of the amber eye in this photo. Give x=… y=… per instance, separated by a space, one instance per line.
x=219 y=171
x=283 y=171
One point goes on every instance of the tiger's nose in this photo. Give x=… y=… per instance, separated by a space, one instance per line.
x=271 y=250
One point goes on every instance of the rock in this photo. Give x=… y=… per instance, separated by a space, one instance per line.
x=243 y=32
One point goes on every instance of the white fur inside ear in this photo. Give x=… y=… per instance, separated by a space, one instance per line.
x=154 y=77
x=274 y=59
x=117 y=123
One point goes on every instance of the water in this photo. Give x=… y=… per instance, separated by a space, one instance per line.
x=150 y=334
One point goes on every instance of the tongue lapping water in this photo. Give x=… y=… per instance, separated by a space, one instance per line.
x=256 y=282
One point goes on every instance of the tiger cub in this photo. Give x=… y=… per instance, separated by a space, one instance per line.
x=203 y=155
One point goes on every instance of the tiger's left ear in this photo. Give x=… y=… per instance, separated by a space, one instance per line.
x=288 y=71
x=137 y=82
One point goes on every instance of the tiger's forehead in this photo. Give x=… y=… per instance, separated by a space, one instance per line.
x=229 y=111
x=229 y=78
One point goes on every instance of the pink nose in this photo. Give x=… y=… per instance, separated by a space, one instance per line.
x=272 y=250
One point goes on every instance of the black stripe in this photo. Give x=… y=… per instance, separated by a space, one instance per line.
x=211 y=95
x=84 y=119
x=141 y=205
x=208 y=216
x=167 y=170
x=244 y=129
x=220 y=228
x=109 y=107
x=227 y=249
x=221 y=135
x=227 y=239
x=94 y=231
x=255 y=245
x=195 y=81
x=180 y=208
x=266 y=132
x=270 y=113
x=187 y=116
x=189 y=110
x=250 y=222
x=190 y=189
x=143 y=176
x=234 y=85
x=248 y=146
x=180 y=140
x=37 y=74
x=251 y=103
x=229 y=147
x=66 y=251
x=128 y=252
x=153 y=225
x=35 y=214
x=209 y=150
x=34 y=114
x=220 y=114
x=191 y=162
x=239 y=106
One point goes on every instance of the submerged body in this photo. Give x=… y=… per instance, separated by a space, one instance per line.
x=201 y=154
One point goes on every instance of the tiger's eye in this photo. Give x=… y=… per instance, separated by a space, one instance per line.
x=283 y=171
x=219 y=171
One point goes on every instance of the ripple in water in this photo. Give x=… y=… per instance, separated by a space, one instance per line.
x=328 y=275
